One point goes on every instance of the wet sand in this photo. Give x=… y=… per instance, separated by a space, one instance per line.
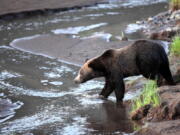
x=11 y=6
x=67 y=49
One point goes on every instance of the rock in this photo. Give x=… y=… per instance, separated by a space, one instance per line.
x=175 y=109
x=163 y=35
x=161 y=128
x=150 y=19
x=140 y=113
x=163 y=26
x=175 y=15
x=124 y=39
x=175 y=67
x=171 y=95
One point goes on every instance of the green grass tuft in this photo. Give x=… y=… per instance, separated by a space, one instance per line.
x=174 y=4
x=175 y=46
x=148 y=96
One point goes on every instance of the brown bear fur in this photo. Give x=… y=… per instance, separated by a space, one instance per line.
x=142 y=57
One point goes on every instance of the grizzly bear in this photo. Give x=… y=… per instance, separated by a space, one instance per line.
x=142 y=57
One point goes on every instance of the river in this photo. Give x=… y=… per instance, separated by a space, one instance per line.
x=37 y=92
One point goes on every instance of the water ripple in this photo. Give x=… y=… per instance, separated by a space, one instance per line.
x=7 y=109
x=48 y=94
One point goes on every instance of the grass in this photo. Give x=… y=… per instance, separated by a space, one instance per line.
x=175 y=46
x=148 y=96
x=174 y=4
x=136 y=126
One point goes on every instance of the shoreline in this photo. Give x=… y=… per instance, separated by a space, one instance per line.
x=24 y=8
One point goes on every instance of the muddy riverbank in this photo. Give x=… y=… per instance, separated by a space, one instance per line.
x=20 y=6
x=165 y=118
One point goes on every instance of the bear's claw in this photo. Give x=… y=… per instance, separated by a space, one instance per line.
x=102 y=97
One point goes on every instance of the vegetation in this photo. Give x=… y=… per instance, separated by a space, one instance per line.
x=148 y=96
x=136 y=126
x=174 y=5
x=175 y=46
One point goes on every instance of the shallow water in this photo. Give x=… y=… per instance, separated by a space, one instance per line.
x=111 y=19
x=37 y=94
x=50 y=102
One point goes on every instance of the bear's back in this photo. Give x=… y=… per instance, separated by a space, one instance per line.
x=143 y=50
x=149 y=50
x=126 y=60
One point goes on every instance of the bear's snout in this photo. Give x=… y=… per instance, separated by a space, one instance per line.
x=77 y=80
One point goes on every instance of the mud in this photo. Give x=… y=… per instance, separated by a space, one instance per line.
x=161 y=128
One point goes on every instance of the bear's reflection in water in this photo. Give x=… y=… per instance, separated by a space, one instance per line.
x=108 y=118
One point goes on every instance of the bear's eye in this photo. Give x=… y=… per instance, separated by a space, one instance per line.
x=81 y=72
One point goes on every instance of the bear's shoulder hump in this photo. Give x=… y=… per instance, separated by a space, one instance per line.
x=108 y=53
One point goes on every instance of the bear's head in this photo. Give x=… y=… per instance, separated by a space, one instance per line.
x=96 y=67
x=90 y=69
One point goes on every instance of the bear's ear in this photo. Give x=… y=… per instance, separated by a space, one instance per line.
x=86 y=59
x=97 y=65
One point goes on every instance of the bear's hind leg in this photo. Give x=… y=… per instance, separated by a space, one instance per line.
x=114 y=82
x=159 y=80
x=117 y=83
x=166 y=73
x=119 y=91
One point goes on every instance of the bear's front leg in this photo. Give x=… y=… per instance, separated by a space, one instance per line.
x=107 y=90
x=114 y=82
x=117 y=84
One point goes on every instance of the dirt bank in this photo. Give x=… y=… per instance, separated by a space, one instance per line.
x=166 y=116
x=161 y=128
x=11 y=6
